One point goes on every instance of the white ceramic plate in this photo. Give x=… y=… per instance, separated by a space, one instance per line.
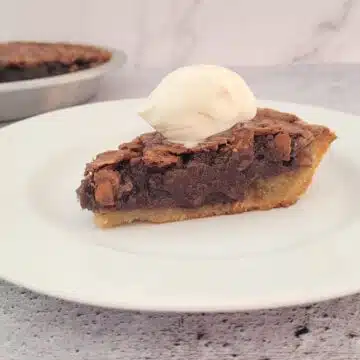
x=21 y=99
x=305 y=253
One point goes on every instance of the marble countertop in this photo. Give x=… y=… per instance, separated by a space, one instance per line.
x=173 y=32
x=36 y=327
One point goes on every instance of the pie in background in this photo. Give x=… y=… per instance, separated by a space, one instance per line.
x=20 y=60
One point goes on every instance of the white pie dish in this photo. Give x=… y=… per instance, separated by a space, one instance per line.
x=21 y=99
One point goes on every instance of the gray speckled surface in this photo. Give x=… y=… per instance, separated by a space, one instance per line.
x=38 y=327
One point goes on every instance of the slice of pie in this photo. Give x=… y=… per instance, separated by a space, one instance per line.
x=33 y=60
x=265 y=163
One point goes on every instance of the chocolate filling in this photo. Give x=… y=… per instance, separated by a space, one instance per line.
x=17 y=73
x=150 y=172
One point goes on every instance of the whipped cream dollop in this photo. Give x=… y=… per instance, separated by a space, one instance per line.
x=194 y=102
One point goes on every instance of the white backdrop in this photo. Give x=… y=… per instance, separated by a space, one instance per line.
x=158 y=33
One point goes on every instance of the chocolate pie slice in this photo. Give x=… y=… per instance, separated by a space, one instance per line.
x=33 y=60
x=265 y=163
